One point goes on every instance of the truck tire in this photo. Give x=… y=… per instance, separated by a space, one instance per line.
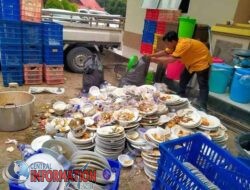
x=76 y=58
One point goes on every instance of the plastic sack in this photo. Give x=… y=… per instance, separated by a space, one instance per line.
x=137 y=75
x=93 y=74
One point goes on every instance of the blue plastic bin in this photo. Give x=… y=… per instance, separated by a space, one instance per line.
x=10 y=10
x=10 y=33
x=11 y=55
x=240 y=88
x=148 y=37
x=150 y=26
x=219 y=166
x=53 y=55
x=220 y=77
x=32 y=54
x=31 y=33
x=115 y=167
x=52 y=34
x=12 y=74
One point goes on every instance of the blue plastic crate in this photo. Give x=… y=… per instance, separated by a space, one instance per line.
x=216 y=164
x=31 y=33
x=10 y=33
x=53 y=55
x=115 y=167
x=245 y=161
x=32 y=54
x=11 y=55
x=150 y=26
x=148 y=37
x=10 y=10
x=12 y=74
x=52 y=34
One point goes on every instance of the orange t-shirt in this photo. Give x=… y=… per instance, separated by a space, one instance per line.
x=193 y=53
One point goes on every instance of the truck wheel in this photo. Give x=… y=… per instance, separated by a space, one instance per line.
x=76 y=58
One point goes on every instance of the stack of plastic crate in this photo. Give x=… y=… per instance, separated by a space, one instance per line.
x=31 y=10
x=32 y=52
x=53 y=53
x=10 y=42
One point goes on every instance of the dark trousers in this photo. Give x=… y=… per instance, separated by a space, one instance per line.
x=202 y=77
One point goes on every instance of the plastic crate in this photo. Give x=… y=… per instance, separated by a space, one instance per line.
x=146 y=48
x=31 y=10
x=152 y=14
x=169 y=15
x=150 y=26
x=11 y=55
x=10 y=33
x=53 y=74
x=161 y=27
x=52 y=34
x=148 y=37
x=10 y=10
x=246 y=161
x=31 y=33
x=12 y=74
x=53 y=55
x=216 y=164
x=32 y=54
x=33 y=74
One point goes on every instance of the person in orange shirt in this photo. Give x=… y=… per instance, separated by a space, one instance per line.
x=197 y=59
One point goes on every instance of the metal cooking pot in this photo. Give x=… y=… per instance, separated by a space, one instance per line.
x=16 y=110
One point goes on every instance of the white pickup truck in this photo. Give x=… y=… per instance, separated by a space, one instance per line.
x=84 y=33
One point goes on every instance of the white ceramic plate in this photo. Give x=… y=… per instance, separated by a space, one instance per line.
x=158 y=131
x=133 y=111
x=37 y=143
x=80 y=141
x=214 y=123
x=125 y=160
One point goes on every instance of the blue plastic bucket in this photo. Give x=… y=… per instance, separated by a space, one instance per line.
x=220 y=77
x=240 y=89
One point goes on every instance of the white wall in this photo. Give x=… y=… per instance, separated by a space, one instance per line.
x=212 y=12
x=135 y=16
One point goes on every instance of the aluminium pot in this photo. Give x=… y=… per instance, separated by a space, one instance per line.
x=16 y=110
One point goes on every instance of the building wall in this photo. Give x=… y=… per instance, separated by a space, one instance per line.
x=212 y=12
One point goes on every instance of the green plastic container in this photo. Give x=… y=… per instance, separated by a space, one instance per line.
x=149 y=78
x=186 y=27
x=132 y=62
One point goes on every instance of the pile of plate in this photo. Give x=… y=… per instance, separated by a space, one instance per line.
x=189 y=118
x=174 y=102
x=155 y=136
x=149 y=121
x=110 y=141
x=85 y=142
x=95 y=162
x=150 y=160
x=212 y=126
x=135 y=140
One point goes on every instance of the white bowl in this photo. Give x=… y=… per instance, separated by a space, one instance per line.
x=125 y=160
x=94 y=91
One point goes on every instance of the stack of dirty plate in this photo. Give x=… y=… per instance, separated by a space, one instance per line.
x=95 y=162
x=174 y=102
x=155 y=136
x=110 y=141
x=150 y=160
x=85 y=142
x=135 y=140
x=212 y=126
x=189 y=118
x=148 y=110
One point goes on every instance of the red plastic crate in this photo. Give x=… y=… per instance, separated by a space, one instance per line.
x=152 y=14
x=161 y=27
x=33 y=74
x=146 y=48
x=53 y=74
x=31 y=10
x=168 y=15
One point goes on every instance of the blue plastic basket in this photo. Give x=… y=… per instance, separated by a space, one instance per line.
x=12 y=74
x=150 y=26
x=115 y=167
x=10 y=33
x=52 y=34
x=246 y=161
x=31 y=33
x=216 y=164
x=10 y=10
x=148 y=37
x=32 y=54
x=53 y=55
x=11 y=55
